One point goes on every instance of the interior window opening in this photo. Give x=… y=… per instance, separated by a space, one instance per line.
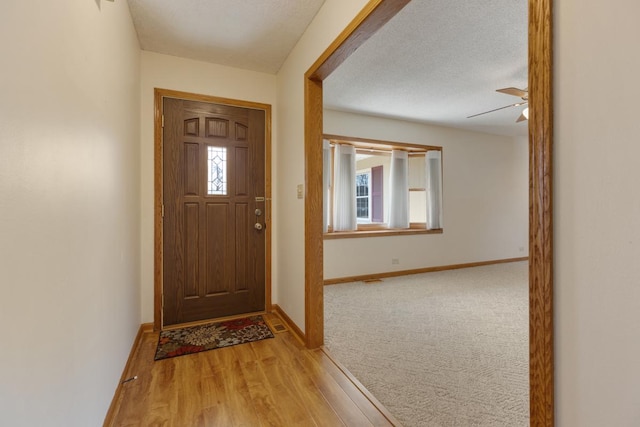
x=381 y=186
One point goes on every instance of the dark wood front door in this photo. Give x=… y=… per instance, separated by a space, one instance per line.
x=214 y=210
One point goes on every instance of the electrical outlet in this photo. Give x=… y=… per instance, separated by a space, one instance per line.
x=300 y=191
x=395 y=261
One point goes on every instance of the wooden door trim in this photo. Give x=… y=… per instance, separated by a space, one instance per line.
x=159 y=94
x=374 y=15
x=541 y=366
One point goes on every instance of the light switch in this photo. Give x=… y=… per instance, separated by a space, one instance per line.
x=300 y=191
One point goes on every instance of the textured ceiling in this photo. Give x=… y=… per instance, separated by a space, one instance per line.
x=249 y=34
x=439 y=61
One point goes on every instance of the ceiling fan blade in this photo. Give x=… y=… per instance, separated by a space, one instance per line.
x=517 y=104
x=522 y=93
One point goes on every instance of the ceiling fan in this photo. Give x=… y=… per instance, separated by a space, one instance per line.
x=522 y=93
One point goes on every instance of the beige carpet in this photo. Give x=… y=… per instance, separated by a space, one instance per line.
x=438 y=349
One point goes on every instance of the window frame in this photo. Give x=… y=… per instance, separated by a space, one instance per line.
x=378 y=229
x=367 y=220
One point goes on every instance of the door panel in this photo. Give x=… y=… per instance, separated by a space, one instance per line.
x=217 y=225
x=191 y=249
x=213 y=173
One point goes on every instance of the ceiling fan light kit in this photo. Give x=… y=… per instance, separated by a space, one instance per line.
x=522 y=93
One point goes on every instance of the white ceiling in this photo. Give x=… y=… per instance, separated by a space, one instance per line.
x=437 y=61
x=249 y=34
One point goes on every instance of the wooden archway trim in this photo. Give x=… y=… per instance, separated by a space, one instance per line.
x=375 y=14
x=541 y=367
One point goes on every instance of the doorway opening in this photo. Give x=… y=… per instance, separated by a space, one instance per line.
x=375 y=14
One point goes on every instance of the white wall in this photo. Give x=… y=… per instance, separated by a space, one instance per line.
x=485 y=196
x=170 y=72
x=69 y=208
x=332 y=18
x=597 y=213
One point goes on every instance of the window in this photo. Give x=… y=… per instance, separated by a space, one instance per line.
x=382 y=186
x=363 y=199
x=217 y=171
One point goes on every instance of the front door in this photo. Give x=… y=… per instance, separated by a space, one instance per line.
x=214 y=210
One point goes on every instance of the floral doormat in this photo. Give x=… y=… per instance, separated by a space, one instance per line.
x=195 y=339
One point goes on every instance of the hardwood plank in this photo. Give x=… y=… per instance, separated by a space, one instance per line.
x=273 y=382
x=188 y=376
x=145 y=328
x=348 y=412
x=227 y=393
x=244 y=353
x=301 y=385
x=261 y=396
x=276 y=375
x=377 y=414
x=346 y=409
x=301 y=389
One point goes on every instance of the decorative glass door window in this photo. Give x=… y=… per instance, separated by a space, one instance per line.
x=217 y=171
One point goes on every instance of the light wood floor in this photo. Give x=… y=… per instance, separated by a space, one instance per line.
x=273 y=382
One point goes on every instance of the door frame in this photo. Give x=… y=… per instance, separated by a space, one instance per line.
x=374 y=15
x=158 y=259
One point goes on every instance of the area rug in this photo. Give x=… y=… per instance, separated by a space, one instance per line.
x=194 y=339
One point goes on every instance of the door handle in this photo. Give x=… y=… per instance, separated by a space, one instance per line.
x=257 y=226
